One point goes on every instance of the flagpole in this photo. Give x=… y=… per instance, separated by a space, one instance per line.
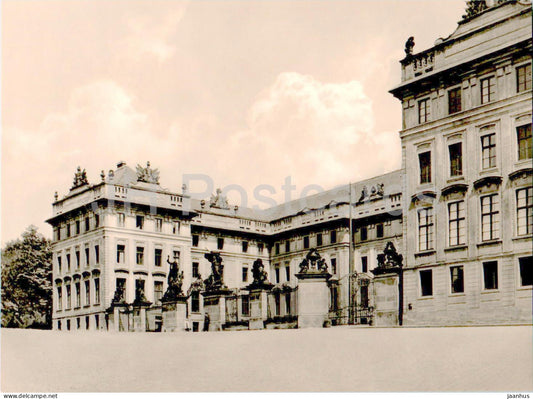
x=350 y=258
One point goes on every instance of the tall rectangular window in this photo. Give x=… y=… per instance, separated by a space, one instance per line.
x=245 y=246
x=526 y=271
x=456 y=223
x=287 y=303
x=523 y=78
x=96 y=221
x=59 y=263
x=276 y=249
x=121 y=219
x=176 y=228
x=121 y=288
x=97 y=290
x=424 y=160
x=456 y=159
x=457 y=279
x=97 y=254
x=220 y=243
x=306 y=242
x=333 y=236
x=59 y=297
x=68 y=262
x=77 y=227
x=454 y=100
x=195 y=302
x=77 y=287
x=121 y=252
x=287 y=271
x=364 y=264
x=87 y=292
x=423 y=110
x=87 y=256
x=490 y=217
x=276 y=268
x=364 y=233
x=379 y=230
x=260 y=247
x=158 y=254
x=245 y=305
x=524 y=211
x=488 y=90
x=523 y=136
x=78 y=260
x=319 y=240
x=158 y=225
x=333 y=265
x=87 y=224
x=426 y=282
x=425 y=229
x=287 y=246
x=139 y=222
x=244 y=274
x=195 y=269
x=488 y=151
x=195 y=240
x=158 y=291
x=69 y=296
x=277 y=303
x=490 y=275
x=139 y=256
x=68 y=230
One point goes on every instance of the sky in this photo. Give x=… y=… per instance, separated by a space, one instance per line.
x=216 y=93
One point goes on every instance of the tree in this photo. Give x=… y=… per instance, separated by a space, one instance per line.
x=27 y=281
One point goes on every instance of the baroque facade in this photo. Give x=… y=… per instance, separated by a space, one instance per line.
x=460 y=211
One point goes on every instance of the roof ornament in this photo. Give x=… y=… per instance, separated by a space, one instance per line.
x=409 y=45
x=474 y=7
x=376 y=192
x=147 y=175
x=102 y=175
x=80 y=178
x=218 y=200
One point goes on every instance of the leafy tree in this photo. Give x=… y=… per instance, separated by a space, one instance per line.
x=27 y=281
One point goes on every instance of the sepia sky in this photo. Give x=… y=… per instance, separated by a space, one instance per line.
x=246 y=92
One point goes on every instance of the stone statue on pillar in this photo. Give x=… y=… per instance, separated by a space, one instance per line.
x=216 y=280
x=175 y=282
x=260 y=276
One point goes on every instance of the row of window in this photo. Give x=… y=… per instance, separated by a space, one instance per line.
x=221 y=242
x=490 y=277
x=74 y=228
x=306 y=242
x=77 y=258
x=363 y=232
x=78 y=293
x=78 y=323
x=140 y=255
x=490 y=220
x=487 y=88
x=488 y=154
x=140 y=223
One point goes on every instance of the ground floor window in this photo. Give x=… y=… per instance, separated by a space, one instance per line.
x=277 y=303
x=59 y=324
x=526 y=271
x=68 y=324
x=457 y=279
x=195 y=326
x=97 y=321
x=288 y=303
x=490 y=275
x=86 y=322
x=426 y=282
x=195 y=302
x=245 y=305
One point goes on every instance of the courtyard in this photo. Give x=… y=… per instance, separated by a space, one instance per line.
x=335 y=359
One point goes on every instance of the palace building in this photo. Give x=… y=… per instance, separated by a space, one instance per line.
x=459 y=213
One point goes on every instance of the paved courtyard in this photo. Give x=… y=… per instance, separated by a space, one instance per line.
x=335 y=359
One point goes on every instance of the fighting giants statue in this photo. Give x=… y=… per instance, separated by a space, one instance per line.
x=175 y=282
x=260 y=276
x=389 y=261
x=313 y=263
x=216 y=280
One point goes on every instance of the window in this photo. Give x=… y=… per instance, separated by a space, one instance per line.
x=456 y=159
x=87 y=292
x=158 y=291
x=121 y=288
x=423 y=110
x=454 y=100
x=287 y=271
x=426 y=282
x=97 y=254
x=244 y=274
x=68 y=230
x=87 y=256
x=68 y=324
x=78 y=261
x=139 y=222
x=524 y=211
x=195 y=326
x=260 y=247
x=425 y=229
x=523 y=135
x=276 y=268
x=139 y=289
x=59 y=297
x=195 y=240
x=457 y=279
x=306 y=242
x=176 y=255
x=87 y=224
x=139 y=258
x=456 y=223
x=121 y=219
x=334 y=265
x=488 y=90
x=58 y=232
x=364 y=264
x=86 y=322
x=488 y=151
x=77 y=287
x=287 y=246
x=121 y=250
x=176 y=228
x=158 y=225
x=97 y=321
x=379 y=230
x=333 y=236
x=69 y=296
x=220 y=243
x=195 y=269
x=195 y=302
x=364 y=233
x=158 y=254
x=245 y=246
x=77 y=227
x=288 y=303
x=334 y=298
x=490 y=217
x=59 y=263
x=277 y=303
x=523 y=78
x=97 y=290
x=424 y=160
x=245 y=305
x=526 y=271
x=364 y=296
x=68 y=262
x=96 y=221
x=490 y=275
x=319 y=240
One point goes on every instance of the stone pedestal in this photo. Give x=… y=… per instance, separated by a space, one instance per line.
x=174 y=315
x=139 y=316
x=313 y=299
x=386 y=302
x=215 y=308
x=258 y=308
x=118 y=317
